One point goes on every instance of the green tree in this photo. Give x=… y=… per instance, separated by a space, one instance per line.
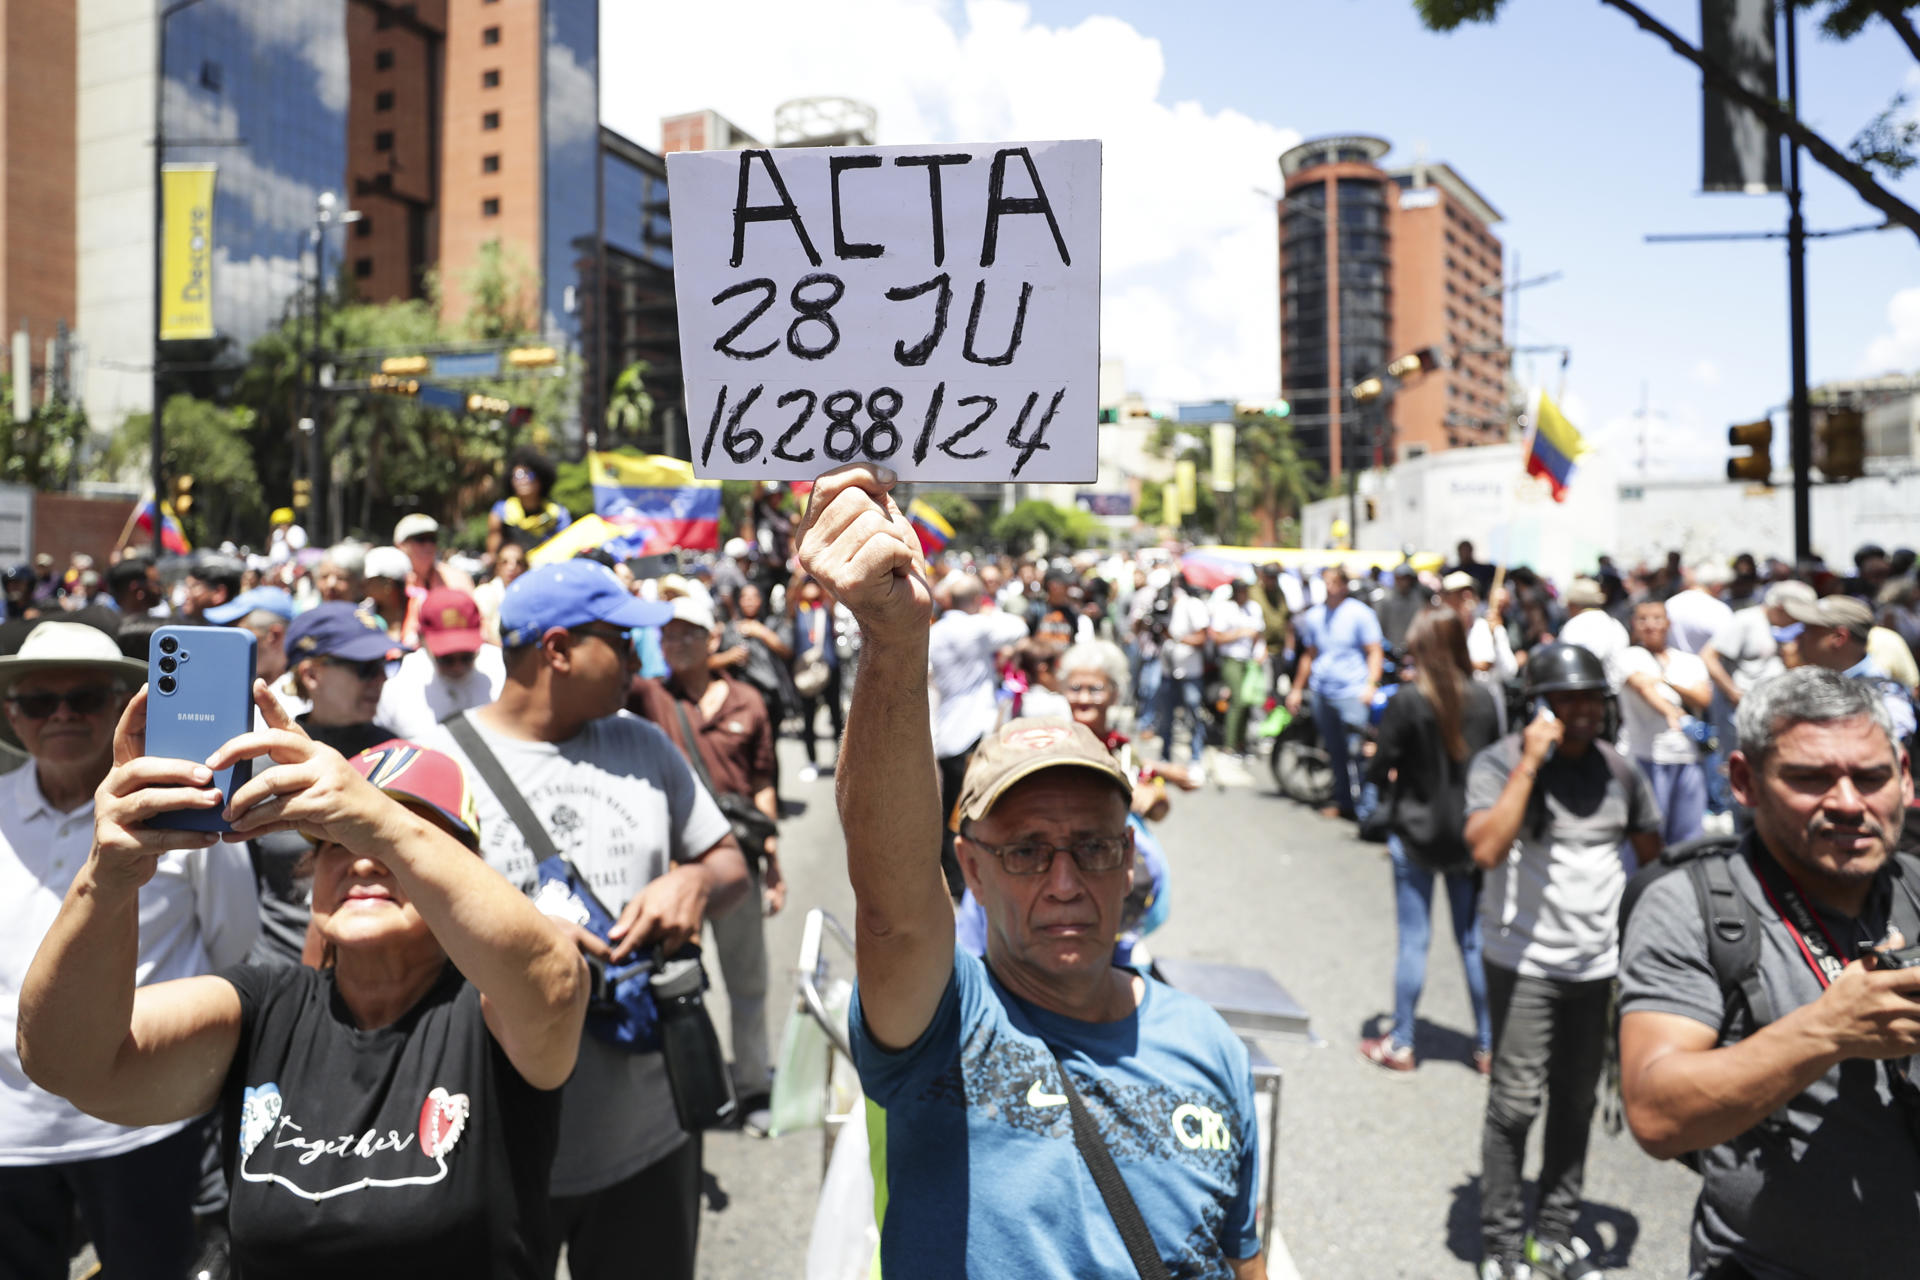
x=1272 y=481
x=1887 y=143
x=630 y=407
x=211 y=443
x=1067 y=528
x=503 y=295
x=46 y=450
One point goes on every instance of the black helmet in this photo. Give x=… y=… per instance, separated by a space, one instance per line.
x=1564 y=668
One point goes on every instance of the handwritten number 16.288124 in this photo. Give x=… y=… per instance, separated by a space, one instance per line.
x=867 y=428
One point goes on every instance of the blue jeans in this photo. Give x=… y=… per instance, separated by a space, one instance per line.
x=1175 y=695
x=1681 y=790
x=1413 y=908
x=1341 y=721
x=1146 y=692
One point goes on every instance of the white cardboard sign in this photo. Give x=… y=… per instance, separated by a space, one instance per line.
x=934 y=308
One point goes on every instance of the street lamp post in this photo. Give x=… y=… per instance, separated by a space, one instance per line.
x=326 y=213
x=158 y=441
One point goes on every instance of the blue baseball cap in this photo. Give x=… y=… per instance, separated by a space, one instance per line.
x=338 y=630
x=274 y=600
x=571 y=594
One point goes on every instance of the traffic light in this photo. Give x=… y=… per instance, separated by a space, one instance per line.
x=392 y=385
x=302 y=494
x=1425 y=360
x=531 y=357
x=519 y=416
x=485 y=406
x=1840 y=444
x=1758 y=465
x=182 y=495
x=414 y=365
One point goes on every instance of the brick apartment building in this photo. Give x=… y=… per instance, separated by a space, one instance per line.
x=1376 y=263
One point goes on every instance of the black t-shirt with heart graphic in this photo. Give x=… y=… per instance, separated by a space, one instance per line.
x=409 y=1151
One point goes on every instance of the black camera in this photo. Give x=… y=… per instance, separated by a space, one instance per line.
x=1887 y=958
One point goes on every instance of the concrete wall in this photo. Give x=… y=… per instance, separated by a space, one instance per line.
x=114 y=190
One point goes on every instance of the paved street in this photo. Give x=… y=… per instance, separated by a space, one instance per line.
x=1377 y=1172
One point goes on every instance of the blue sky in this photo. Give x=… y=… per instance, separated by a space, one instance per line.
x=1581 y=129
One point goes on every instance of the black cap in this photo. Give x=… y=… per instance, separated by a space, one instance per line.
x=1564 y=668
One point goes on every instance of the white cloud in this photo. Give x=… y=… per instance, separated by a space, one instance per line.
x=1189 y=270
x=1898 y=349
x=315 y=33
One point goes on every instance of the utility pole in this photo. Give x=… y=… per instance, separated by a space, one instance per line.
x=1800 y=415
x=326 y=213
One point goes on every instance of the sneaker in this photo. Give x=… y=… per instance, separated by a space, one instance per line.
x=1198 y=776
x=1495 y=1269
x=809 y=773
x=1382 y=1051
x=1553 y=1260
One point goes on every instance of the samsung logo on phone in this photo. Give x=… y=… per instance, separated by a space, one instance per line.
x=196 y=715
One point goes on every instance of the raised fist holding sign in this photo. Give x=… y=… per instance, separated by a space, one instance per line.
x=856 y=542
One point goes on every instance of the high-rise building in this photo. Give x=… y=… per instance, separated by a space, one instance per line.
x=445 y=124
x=37 y=141
x=1376 y=264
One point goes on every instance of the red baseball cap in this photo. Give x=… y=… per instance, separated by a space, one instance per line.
x=423 y=776
x=450 y=622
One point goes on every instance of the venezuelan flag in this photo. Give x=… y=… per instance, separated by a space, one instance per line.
x=655 y=502
x=172 y=537
x=1557 y=448
x=931 y=527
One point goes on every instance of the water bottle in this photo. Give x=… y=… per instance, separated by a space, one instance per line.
x=696 y=1071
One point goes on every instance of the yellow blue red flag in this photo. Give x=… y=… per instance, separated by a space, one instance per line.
x=1556 y=449
x=931 y=527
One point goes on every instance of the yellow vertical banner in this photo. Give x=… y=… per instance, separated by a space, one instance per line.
x=186 y=259
x=1170 y=505
x=1186 y=477
x=1223 y=450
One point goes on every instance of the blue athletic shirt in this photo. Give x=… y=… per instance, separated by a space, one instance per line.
x=974 y=1167
x=1339 y=641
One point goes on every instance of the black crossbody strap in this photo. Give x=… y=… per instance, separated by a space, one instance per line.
x=693 y=747
x=498 y=781
x=1113 y=1188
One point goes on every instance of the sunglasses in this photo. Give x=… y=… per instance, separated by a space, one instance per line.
x=371 y=669
x=82 y=702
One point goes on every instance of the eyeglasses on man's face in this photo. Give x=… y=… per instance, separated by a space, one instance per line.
x=1091 y=854
x=87 y=701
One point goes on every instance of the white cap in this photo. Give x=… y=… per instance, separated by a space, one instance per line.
x=1459 y=580
x=387 y=562
x=412 y=526
x=737 y=547
x=693 y=610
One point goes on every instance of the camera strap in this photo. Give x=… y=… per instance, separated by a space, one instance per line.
x=1817 y=947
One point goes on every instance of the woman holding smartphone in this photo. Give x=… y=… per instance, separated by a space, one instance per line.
x=1429 y=732
x=391 y=1113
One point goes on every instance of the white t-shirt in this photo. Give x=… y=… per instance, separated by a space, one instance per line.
x=1488 y=643
x=1747 y=648
x=417 y=697
x=198 y=914
x=1185 y=661
x=1646 y=735
x=620 y=801
x=960 y=652
x=1225 y=615
x=1601 y=635
x=1693 y=616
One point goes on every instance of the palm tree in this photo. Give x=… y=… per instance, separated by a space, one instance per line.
x=1274 y=481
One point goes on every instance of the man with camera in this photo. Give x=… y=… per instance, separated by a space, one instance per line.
x=610 y=793
x=1801 y=1114
x=1004 y=1079
x=1548 y=810
x=725 y=721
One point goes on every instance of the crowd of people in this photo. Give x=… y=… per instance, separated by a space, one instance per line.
x=268 y=1043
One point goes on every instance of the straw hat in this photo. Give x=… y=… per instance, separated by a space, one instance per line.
x=65 y=646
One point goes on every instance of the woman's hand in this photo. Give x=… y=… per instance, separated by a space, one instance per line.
x=305 y=787
x=126 y=851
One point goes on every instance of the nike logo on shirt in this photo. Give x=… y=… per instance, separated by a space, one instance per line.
x=1039 y=1097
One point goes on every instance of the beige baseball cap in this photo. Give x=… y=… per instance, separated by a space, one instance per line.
x=1839 y=612
x=1021 y=748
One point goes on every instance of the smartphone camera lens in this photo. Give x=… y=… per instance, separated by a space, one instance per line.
x=168 y=665
x=169 y=643
x=168 y=684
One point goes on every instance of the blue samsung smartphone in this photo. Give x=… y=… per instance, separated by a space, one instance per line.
x=200 y=695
